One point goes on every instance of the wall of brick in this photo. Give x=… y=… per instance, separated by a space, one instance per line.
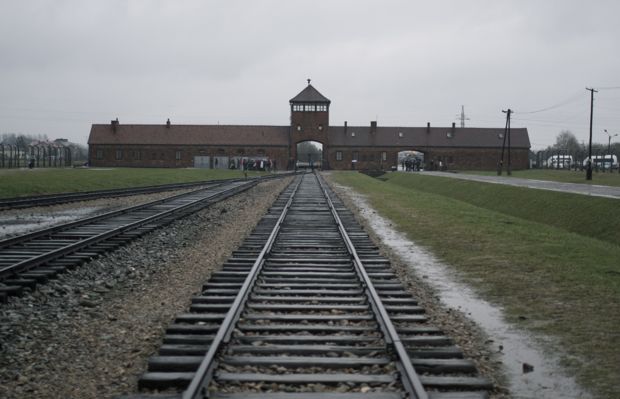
x=367 y=157
x=453 y=158
x=153 y=156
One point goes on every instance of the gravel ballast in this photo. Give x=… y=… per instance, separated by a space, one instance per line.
x=89 y=333
x=465 y=333
x=21 y=221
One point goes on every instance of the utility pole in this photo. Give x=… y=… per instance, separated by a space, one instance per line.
x=506 y=135
x=589 y=170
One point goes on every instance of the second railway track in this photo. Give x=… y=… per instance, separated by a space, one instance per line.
x=33 y=258
x=308 y=308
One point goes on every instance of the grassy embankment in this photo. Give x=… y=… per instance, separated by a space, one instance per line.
x=564 y=176
x=25 y=182
x=551 y=258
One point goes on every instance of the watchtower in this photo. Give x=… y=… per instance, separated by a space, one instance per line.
x=309 y=119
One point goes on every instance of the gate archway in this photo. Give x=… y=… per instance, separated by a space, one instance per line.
x=309 y=155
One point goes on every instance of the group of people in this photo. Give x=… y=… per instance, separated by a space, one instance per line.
x=258 y=164
x=412 y=164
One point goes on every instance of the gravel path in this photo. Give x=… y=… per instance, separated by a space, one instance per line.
x=89 y=333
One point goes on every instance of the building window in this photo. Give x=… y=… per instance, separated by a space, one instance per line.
x=338 y=155
x=161 y=156
x=352 y=134
x=153 y=156
x=119 y=155
x=355 y=155
x=138 y=155
x=177 y=155
x=99 y=154
x=400 y=134
x=450 y=159
x=384 y=156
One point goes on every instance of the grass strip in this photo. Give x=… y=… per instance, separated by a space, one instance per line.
x=560 y=175
x=548 y=279
x=27 y=182
x=595 y=217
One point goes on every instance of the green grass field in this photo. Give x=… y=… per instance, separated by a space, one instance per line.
x=550 y=257
x=565 y=176
x=26 y=182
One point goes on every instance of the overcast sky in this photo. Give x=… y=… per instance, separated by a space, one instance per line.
x=66 y=64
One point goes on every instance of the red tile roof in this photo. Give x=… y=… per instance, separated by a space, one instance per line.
x=189 y=135
x=471 y=137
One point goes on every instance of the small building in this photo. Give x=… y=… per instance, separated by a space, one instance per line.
x=344 y=147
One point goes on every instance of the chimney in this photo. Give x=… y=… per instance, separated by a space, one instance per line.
x=114 y=124
x=428 y=127
x=373 y=127
x=453 y=127
x=345 y=128
x=168 y=123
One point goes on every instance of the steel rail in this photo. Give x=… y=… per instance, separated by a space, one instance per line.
x=199 y=384
x=53 y=229
x=74 y=247
x=411 y=380
x=51 y=199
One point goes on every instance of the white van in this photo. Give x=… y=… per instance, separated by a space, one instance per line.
x=603 y=161
x=560 y=161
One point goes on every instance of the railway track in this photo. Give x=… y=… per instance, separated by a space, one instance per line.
x=62 y=198
x=33 y=258
x=308 y=308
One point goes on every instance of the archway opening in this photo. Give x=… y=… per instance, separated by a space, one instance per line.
x=309 y=155
x=411 y=161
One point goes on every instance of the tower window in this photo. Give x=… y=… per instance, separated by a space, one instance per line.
x=309 y=107
x=321 y=107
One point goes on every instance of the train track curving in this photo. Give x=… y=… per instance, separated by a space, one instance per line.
x=307 y=307
x=31 y=259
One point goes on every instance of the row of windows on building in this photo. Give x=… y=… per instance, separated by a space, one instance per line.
x=366 y=156
x=309 y=107
x=120 y=154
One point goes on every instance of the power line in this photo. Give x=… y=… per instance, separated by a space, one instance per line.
x=565 y=102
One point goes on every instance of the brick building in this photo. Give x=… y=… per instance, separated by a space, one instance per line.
x=344 y=147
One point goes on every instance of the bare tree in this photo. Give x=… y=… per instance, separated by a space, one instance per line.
x=566 y=141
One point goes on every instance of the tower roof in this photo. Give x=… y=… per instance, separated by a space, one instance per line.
x=310 y=95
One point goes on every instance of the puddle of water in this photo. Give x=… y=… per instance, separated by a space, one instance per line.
x=546 y=381
x=11 y=225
